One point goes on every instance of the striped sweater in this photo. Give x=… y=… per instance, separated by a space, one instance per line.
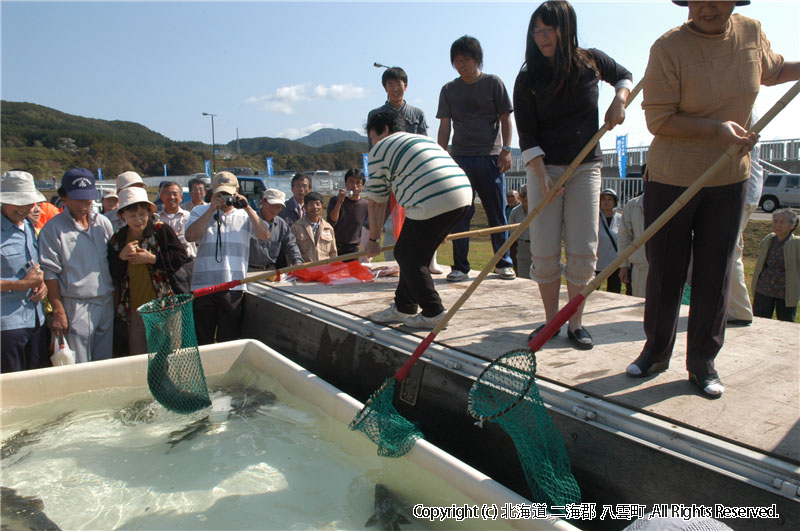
x=424 y=178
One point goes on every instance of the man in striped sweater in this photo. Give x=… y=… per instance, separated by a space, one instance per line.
x=435 y=193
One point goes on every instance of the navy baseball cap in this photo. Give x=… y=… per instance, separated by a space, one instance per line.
x=78 y=183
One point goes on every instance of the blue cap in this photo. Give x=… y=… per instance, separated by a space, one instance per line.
x=78 y=183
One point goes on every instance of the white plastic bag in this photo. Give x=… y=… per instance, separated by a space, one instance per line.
x=63 y=355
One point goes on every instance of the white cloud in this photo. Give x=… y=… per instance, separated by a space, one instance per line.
x=293 y=132
x=340 y=92
x=282 y=100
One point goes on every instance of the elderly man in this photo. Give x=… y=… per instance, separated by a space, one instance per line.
x=75 y=262
x=435 y=193
x=23 y=341
x=176 y=217
x=222 y=231
x=293 y=212
x=281 y=248
x=197 y=192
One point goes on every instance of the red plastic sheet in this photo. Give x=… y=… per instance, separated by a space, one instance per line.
x=336 y=273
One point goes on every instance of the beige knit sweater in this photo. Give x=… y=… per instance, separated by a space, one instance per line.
x=709 y=76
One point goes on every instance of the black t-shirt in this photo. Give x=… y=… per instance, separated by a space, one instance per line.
x=351 y=219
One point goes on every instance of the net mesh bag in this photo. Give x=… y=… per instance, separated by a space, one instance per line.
x=384 y=425
x=506 y=393
x=174 y=371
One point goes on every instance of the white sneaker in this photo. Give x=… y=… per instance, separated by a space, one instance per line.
x=506 y=273
x=420 y=321
x=390 y=315
x=434 y=267
x=457 y=275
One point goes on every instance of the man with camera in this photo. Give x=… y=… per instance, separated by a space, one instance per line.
x=222 y=231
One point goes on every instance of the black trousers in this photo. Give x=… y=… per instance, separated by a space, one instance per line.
x=708 y=229
x=346 y=248
x=413 y=251
x=764 y=306
x=613 y=283
x=219 y=316
x=24 y=348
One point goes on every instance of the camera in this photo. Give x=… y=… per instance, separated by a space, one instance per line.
x=236 y=202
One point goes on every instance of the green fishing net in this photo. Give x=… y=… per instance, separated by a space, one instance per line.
x=506 y=393
x=174 y=371
x=382 y=423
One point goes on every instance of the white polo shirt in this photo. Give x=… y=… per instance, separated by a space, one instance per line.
x=227 y=260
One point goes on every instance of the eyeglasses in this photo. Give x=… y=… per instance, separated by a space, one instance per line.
x=542 y=32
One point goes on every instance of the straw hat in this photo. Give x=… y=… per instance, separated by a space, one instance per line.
x=133 y=195
x=17 y=188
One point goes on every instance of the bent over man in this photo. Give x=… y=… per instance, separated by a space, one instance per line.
x=435 y=193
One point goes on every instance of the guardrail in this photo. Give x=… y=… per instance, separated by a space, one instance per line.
x=626 y=188
x=771 y=150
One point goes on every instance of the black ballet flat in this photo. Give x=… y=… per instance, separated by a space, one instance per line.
x=539 y=329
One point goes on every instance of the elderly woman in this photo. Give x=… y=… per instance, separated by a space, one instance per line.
x=701 y=81
x=776 y=278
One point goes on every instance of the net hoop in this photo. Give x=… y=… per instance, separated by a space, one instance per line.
x=165 y=303
x=483 y=380
x=367 y=410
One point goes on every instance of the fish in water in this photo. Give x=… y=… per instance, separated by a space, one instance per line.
x=189 y=432
x=23 y=512
x=23 y=438
x=246 y=401
x=228 y=401
x=142 y=411
x=387 y=510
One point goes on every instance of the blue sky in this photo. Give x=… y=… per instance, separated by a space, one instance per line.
x=288 y=68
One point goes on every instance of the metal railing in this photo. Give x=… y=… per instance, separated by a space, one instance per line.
x=626 y=189
x=771 y=150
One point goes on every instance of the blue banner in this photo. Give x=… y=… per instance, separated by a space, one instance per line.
x=99 y=174
x=622 y=155
x=208 y=168
x=269 y=166
x=165 y=170
x=366 y=164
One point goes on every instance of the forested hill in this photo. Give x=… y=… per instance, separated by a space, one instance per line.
x=46 y=142
x=28 y=124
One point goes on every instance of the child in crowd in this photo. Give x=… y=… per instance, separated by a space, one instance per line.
x=143 y=255
x=315 y=236
x=348 y=211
